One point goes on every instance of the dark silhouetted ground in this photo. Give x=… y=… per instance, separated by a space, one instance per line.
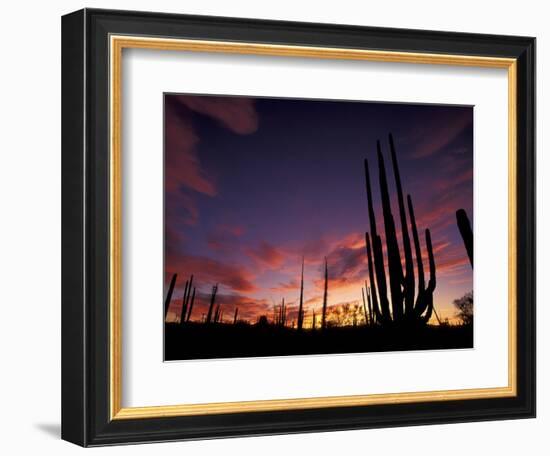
x=200 y=341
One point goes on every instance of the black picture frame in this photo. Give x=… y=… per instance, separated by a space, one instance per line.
x=85 y=228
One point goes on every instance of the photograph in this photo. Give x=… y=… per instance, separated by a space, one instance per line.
x=316 y=227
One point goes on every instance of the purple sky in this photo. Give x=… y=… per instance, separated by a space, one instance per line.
x=254 y=184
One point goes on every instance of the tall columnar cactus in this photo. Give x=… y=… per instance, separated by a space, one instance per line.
x=313 y=319
x=212 y=302
x=465 y=229
x=169 y=295
x=235 y=315
x=325 y=298
x=405 y=308
x=301 y=307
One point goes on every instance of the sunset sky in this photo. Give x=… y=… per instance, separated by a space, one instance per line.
x=254 y=184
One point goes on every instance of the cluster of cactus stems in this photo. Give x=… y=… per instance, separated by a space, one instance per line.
x=411 y=300
x=465 y=229
x=280 y=314
x=370 y=319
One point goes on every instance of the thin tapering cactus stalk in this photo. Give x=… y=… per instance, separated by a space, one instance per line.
x=379 y=268
x=465 y=229
x=325 y=298
x=437 y=316
x=185 y=291
x=369 y=301
x=431 y=259
x=418 y=251
x=383 y=312
x=313 y=322
x=189 y=291
x=212 y=301
x=394 y=257
x=191 y=305
x=364 y=306
x=169 y=295
x=301 y=307
x=183 y=310
x=235 y=315
x=408 y=283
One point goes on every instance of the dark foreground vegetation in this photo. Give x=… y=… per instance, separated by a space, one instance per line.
x=222 y=340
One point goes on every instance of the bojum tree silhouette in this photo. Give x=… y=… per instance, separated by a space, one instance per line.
x=407 y=307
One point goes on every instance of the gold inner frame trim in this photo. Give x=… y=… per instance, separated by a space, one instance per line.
x=117 y=44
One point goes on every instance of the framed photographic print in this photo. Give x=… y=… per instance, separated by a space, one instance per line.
x=269 y=227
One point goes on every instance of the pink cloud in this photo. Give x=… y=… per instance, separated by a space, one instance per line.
x=184 y=174
x=267 y=254
x=210 y=271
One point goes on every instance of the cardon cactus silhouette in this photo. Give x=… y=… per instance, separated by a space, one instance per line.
x=465 y=229
x=169 y=295
x=411 y=301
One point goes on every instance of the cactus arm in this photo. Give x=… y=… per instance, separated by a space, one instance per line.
x=432 y=281
x=465 y=229
x=169 y=295
x=409 y=268
x=372 y=217
x=381 y=279
x=418 y=252
x=371 y=279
